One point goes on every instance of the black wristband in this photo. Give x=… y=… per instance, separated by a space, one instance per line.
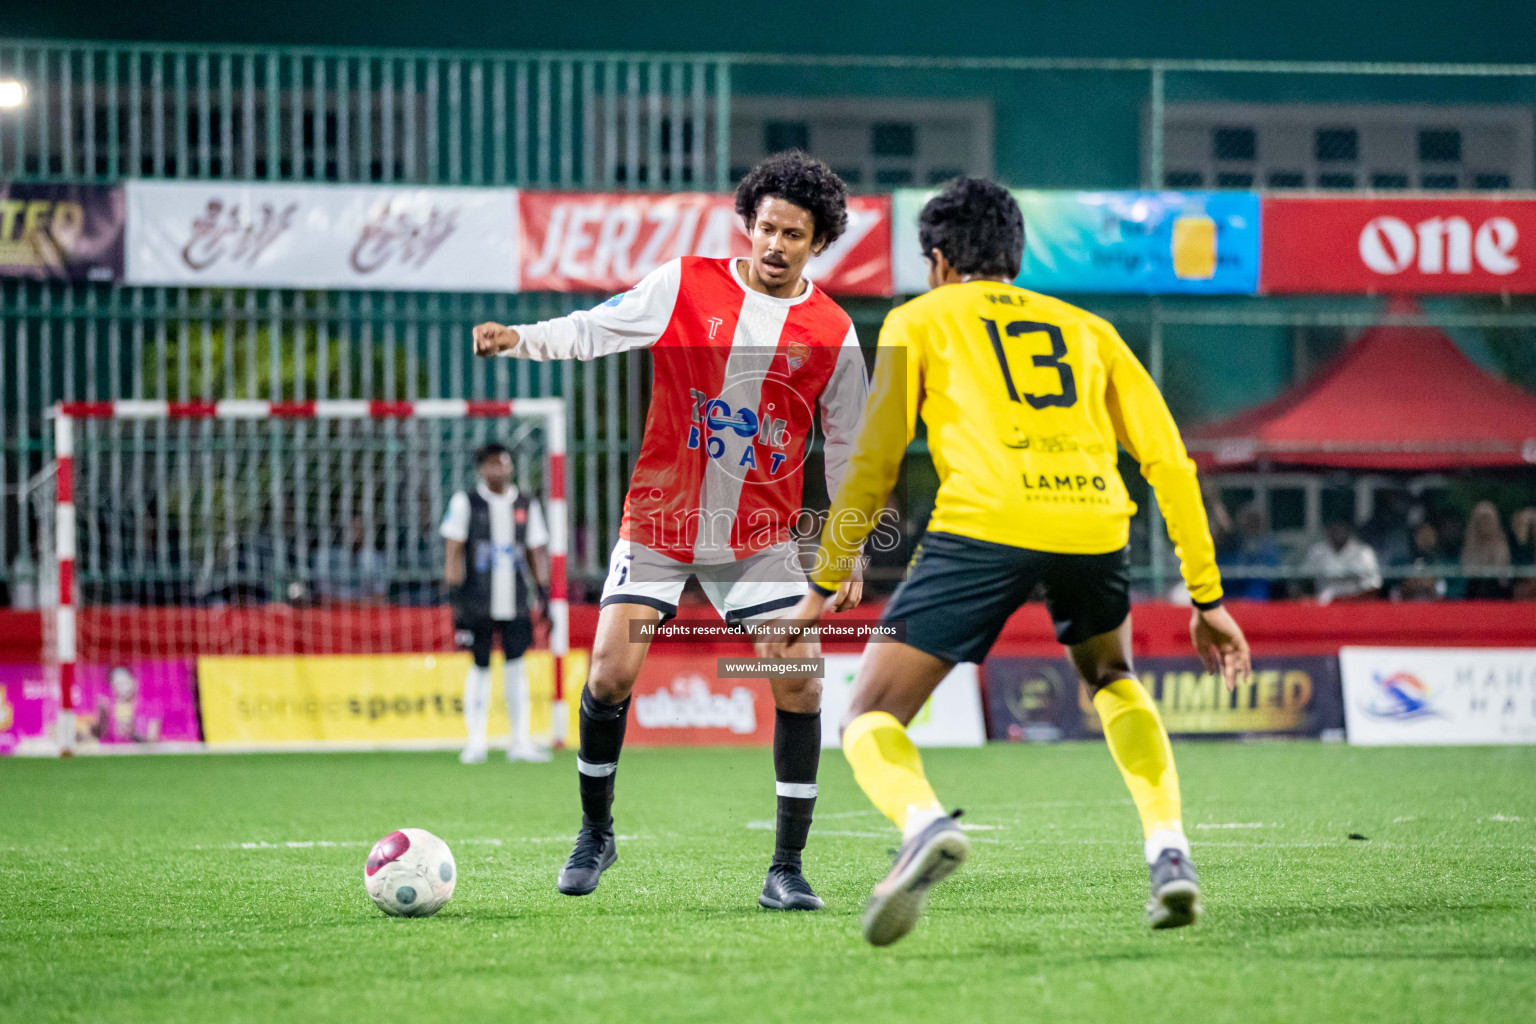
x=1206 y=606
x=823 y=591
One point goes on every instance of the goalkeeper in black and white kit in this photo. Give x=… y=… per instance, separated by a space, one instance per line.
x=496 y=572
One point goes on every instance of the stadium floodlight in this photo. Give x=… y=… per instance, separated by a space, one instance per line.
x=239 y=527
x=12 y=93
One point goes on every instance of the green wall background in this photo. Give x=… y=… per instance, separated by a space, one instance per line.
x=1420 y=30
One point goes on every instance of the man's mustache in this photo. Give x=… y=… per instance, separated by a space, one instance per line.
x=773 y=259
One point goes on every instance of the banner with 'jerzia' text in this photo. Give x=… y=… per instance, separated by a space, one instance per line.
x=213 y=233
x=587 y=241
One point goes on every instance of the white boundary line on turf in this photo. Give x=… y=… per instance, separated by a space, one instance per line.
x=311 y=844
x=767 y=825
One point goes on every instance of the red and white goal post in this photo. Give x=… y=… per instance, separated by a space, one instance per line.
x=185 y=529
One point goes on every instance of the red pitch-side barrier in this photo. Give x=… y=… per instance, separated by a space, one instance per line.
x=1277 y=628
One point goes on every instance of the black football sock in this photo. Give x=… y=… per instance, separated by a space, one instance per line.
x=796 y=756
x=602 y=735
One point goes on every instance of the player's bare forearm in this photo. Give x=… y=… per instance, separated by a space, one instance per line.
x=493 y=339
x=453 y=563
x=540 y=559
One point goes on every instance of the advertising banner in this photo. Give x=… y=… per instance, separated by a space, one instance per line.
x=1149 y=243
x=132 y=704
x=595 y=242
x=1381 y=244
x=321 y=236
x=1439 y=695
x=61 y=232
x=359 y=700
x=951 y=718
x=678 y=701
x=1041 y=699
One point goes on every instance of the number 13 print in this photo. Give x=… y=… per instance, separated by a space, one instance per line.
x=1050 y=361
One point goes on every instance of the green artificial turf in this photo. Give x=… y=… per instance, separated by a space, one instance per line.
x=164 y=889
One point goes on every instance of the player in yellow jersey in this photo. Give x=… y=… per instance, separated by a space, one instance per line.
x=1026 y=399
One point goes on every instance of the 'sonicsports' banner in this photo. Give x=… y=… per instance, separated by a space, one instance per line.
x=1382 y=244
x=132 y=704
x=584 y=241
x=1432 y=695
x=355 y=700
x=952 y=717
x=61 y=232
x=321 y=236
x=1042 y=698
x=1193 y=243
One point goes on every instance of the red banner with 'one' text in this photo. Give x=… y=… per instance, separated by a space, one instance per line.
x=1416 y=245
x=606 y=242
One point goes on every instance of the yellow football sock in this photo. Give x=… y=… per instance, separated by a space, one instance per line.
x=1139 y=744
x=887 y=766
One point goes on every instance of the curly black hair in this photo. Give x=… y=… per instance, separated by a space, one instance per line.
x=978 y=227
x=800 y=179
x=490 y=450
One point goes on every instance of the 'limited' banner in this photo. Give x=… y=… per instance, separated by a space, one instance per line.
x=321 y=236
x=606 y=242
x=1032 y=699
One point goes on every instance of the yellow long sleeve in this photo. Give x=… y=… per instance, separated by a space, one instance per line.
x=890 y=421
x=1145 y=427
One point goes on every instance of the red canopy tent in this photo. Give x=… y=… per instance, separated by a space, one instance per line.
x=1402 y=398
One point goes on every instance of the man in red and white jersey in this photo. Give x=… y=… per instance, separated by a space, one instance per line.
x=745 y=351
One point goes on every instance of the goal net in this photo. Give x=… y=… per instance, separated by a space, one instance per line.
x=253 y=574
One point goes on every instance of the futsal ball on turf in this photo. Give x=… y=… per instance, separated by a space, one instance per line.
x=410 y=873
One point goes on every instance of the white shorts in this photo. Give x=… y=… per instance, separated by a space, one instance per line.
x=757 y=588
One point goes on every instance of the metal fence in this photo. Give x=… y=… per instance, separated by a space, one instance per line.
x=104 y=112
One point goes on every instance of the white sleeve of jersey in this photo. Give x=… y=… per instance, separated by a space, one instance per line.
x=456 y=522
x=842 y=409
x=537 y=535
x=630 y=320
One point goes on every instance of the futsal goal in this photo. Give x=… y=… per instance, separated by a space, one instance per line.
x=282 y=562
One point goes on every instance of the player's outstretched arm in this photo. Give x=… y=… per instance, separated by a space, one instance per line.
x=630 y=320
x=1221 y=645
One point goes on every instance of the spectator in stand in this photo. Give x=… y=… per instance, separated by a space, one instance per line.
x=1342 y=566
x=1452 y=533
x=1485 y=556
x=1522 y=552
x=1424 y=554
x=1388 y=529
x=353 y=570
x=1255 y=548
